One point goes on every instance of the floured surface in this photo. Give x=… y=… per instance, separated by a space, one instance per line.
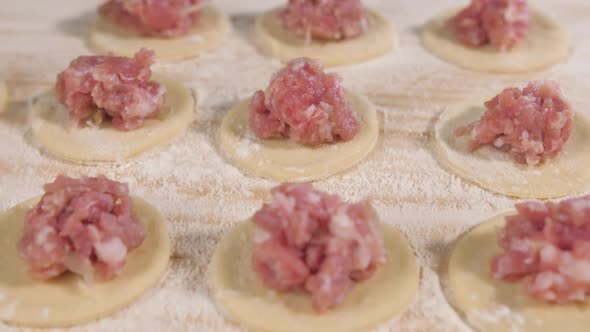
x=566 y=174
x=67 y=300
x=202 y=196
x=242 y=295
x=495 y=306
x=288 y=161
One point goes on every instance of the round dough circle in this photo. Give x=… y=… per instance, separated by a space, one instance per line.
x=547 y=44
x=206 y=35
x=285 y=45
x=498 y=172
x=66 y=300
x=54 y=134
x=490 y=305
x=241 y=294
x=287 y=161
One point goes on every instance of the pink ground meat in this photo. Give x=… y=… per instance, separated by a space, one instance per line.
x=499 y=23
x=98 y=88
x=532 y=124
x=86 y=226
x=303 y=103
x=311 y=241
x=154 y=18
x=325 y=19
x=547 y=247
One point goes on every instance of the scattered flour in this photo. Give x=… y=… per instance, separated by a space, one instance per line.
x=500 y=315
x=45 y=312
x=7 y=311
x=196 y=38
x=202 y=196
x=247 y=147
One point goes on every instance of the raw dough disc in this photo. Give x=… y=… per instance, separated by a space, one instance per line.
x=489 y=305
x=547 y=43
x=54 y=134
x=285 y=160
x=67 y=300
x=208 y=34
x=498 y=172
x=241 y=294
x=283 y=44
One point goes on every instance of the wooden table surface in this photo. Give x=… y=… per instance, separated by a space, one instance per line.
x=201 y=195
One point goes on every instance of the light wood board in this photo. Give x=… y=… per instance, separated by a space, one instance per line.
x=202 y=196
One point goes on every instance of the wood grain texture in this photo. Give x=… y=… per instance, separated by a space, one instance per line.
x=201 y=195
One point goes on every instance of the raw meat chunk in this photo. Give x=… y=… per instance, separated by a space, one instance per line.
x=547 y=247
x=500 y=23
x=303 y=103
x=98 y=88
x=325 y=19
x=532 y=124
x=154 y=18
x=86 y=226
x=311 y=241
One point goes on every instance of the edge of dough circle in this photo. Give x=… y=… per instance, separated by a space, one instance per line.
x=66 y=301
x=53 y=133
x=287 y=161
x=209 y=33
x=239 y=292
x=547 y=44
x=496 y=171
x=278 y=42
x=490 y=305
